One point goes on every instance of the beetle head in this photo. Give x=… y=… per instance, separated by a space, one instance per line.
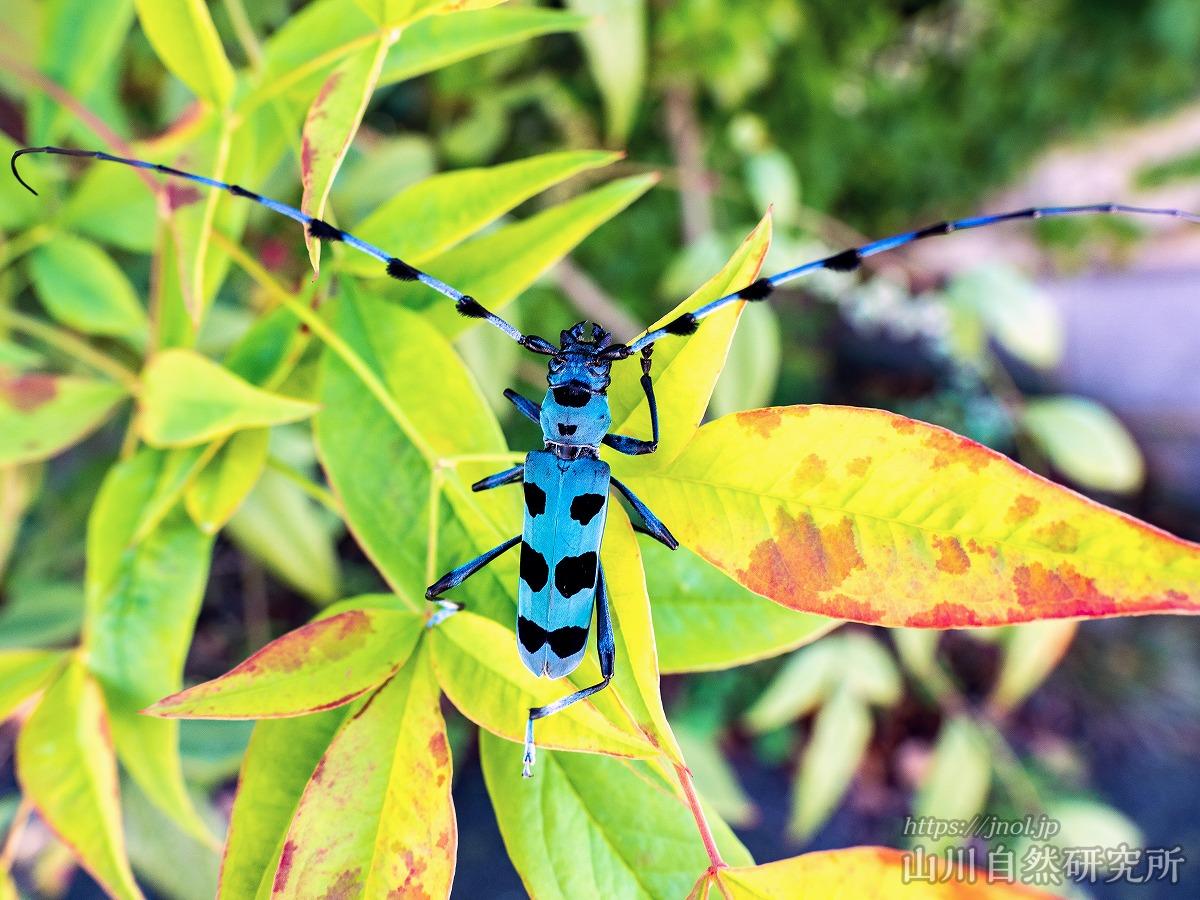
x=582 y=364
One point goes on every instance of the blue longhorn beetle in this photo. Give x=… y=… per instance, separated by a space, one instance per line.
x=566 y=484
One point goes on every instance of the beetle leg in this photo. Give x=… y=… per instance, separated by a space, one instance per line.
x=653 y=525
x=508 y=476
x=526 y=407
x=631 y=446
x=606 y=650
x=455 y=577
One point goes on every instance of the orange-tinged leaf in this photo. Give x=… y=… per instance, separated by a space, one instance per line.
x=685 y=369
x=861 y=514
x=332 y=122
x=875 y=872
x=376 y=818
x=65 y=765
x=318 y=666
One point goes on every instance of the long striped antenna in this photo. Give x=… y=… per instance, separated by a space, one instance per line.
x=849 y=260
x=318 y=228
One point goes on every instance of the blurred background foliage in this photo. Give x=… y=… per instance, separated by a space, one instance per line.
x=851 y=118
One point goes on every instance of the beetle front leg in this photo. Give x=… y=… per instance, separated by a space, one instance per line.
x=631 y=446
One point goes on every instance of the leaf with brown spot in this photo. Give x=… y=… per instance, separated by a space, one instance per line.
x=320 y=665
x=332 y=122
x=43 y=414
x=376 y=817
x=937 y=532
x=875 y=872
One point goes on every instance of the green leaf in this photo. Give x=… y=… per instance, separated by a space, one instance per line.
x=66 y=767
x=1085 y=442
x=587 y=826
x=188 y=399
x=111 y=204
x=41 y=614
x=223 y=484
x=492 y=688
x=439 y=41
x=752 y=367
x=143 y=597
x=160 y=851
x=955 y=786
x=182 y=34
x=43 y=414
x=806 y=679
x=1030 y=653
x=321 y=665
x=685 y=371
x=840 y=735
x=615 y=43
x=378 y=459
x=1014 y=310
x=280 y=760
x=280 y=526
x=83 y=288
x=79 y=41
x=501 y=264
x=870 y=673
x=23 y=673
x=437 y=213
x=332 y=122
x=704 y=620
x=376 y=818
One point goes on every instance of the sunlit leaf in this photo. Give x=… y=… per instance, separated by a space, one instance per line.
x=442 y=40
x=42 y=414
x=83 y=288
x=501 y=264
x=865 y=515
x=876 y=872
x=143 y=596
x=321 y=665
x=376 y=818
x=586 y=826
x=752 y=367
x=65 y=765
x=435 y=214
x=182 y=34
x=223 y=484
x=23 y=673
x=279 y=763
x=281 y=527
x=1085 y=442
x=685 y=369
x=188 y=399
x=478 y=667
x=615 y=42
x=332 y=122
x=705 y=620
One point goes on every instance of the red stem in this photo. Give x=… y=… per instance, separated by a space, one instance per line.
x=689 y=791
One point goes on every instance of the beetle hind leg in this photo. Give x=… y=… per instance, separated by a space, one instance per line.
x=455 y=577
x=606 y=651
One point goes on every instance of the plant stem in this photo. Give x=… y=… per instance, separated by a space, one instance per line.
x=314 y=490
x=70 y=345
x=689 y=791
x=244 y=32
x=15 y=249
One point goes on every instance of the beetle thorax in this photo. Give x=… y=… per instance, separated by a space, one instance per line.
x=575 y=414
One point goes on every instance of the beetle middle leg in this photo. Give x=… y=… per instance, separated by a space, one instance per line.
x=606 y=650
x=652 y=524
x=455 y=577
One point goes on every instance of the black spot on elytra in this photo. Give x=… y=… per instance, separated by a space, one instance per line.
x=571 y=396
x=585 y=506
x=567 y=430
x=401 y=270
x=530 y=634
x=323 y=231
x=535 y=500
x=534 y=571
x=566 y=642
x=574 y=573
x=758 y=290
